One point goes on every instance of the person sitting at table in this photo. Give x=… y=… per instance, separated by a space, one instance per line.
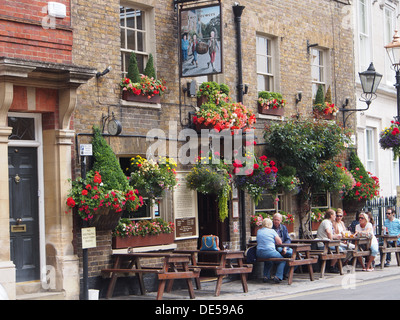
x=267 y=238
x=364 y=229
x=326 y=232
x=352 y=226
x=338 y=224
x=393 y=229
x=283 y=233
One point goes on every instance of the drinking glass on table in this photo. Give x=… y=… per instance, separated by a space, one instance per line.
x=226 y=245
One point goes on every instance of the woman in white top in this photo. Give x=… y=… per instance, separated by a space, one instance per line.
x=365 y=229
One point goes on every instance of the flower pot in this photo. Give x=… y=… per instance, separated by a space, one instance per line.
x=201 y=100
x=129 y=96
x=254 y=230
x=315 y=225
x=354 y=205
x=140 y=241
x=105 y=219
x=263 y=109
x=290 y=227
x=321 y=115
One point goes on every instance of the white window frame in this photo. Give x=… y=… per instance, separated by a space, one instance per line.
x=322 y=68
x=364 y=35
x=370 y=161
x=389 y=27
x=268 y=56
x=148 y=34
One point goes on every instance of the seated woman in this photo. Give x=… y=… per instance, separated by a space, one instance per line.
x=267 y=238
x=364 y=229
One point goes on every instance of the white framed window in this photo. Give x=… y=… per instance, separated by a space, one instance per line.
x=136 y=28
x=364 y=36
x=370 y=149
x=318 y=69
x=268 y=203
x=265 y=63
x=388 y=32
x=395 y=176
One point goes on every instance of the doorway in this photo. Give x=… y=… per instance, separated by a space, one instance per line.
x=209 y=222
x=24 y=212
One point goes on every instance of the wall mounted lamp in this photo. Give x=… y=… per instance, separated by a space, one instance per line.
x=370 y=80
x=100 y=74
x=299 y=96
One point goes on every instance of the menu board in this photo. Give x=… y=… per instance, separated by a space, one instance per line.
x=185 y=209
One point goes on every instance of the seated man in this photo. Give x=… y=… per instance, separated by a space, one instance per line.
x=393 y=227
x=283 y=233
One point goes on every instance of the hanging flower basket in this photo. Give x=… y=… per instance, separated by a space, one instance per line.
x=105 y=219
x=390 y=139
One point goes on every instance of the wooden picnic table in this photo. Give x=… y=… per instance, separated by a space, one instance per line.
x=330 y=251
x=300 y=256
x=174 y=266
x=386 y=248
x=361 y=248
x=225 y=265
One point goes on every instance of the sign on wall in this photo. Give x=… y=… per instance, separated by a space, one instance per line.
x=201 y=41
x=185 y=209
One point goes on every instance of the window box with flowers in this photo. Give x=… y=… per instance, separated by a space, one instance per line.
x=256 y=222
x=323 y=107
x=255 y=175
x=390 y=138
x=316 y=218
x=143 y=233
x=142 y=87
x=271 y=103
x=288 y=220
x=210 y=175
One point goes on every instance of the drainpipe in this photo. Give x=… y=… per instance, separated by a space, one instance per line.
x=237 y=11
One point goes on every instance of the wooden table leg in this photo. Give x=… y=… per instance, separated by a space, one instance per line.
x=161 y=287
x=290 y=278
x=140 y=277
x=219 y=284
x=113 y=279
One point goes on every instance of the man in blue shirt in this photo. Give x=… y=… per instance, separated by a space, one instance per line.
x=283 y=233
x=393 y=227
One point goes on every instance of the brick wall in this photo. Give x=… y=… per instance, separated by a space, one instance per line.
x=26 y=32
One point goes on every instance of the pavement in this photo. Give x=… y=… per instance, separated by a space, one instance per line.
x=258 y=290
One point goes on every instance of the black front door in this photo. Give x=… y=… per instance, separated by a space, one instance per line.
x=24 y=225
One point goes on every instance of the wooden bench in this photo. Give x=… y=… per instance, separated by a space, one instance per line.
x=224 y=266
x=385 y=248
x=300 y=256
x=174 y=267
x=330 y=252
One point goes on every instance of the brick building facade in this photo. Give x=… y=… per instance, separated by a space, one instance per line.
x=94 y=36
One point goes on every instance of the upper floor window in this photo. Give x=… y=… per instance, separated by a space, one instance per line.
x=364 y=35
x=318 y=69
x=370 y=149
x=389 y=28
x=134 y=34
x=265 y=64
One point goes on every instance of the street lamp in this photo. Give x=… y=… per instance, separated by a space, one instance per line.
x=370 y=80
x=393 y=51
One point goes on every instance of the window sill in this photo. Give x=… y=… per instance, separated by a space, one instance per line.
x=269 y=117
x=171 y=246
x=145 y=105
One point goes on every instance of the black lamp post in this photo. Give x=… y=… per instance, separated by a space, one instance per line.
x=370 y=80
x=393 y=50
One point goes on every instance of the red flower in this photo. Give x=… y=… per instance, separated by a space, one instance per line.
x=84 y=192
x=71 y=202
